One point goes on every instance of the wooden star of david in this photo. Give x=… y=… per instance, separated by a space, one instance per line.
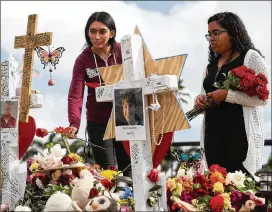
x=175 y=119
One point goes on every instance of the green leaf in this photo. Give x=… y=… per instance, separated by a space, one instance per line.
x=155 y=188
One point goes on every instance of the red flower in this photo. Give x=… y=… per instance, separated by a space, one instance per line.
x=201 y=179
x=66 y=179
x=200 y=192
x=245 y=84
x=153 y=175
x=216 y=203
x=41 y=132
x=67 y=160
x=112 y=167
x=263 y=93
x=251 y=91
x=207 y=187
x=216 y=167
x=251 y=71
x=239 y=72
x=59 y=130
x=93 y=193
x=107 y=184
x=250 y=77
x=42 y=177
x=262 y=77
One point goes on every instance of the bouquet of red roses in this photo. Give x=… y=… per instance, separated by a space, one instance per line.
x=241 y=79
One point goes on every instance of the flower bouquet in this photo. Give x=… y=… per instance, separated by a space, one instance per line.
x=215 y=190
x=241 y=79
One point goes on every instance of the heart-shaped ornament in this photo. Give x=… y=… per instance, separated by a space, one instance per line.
x=26 y=134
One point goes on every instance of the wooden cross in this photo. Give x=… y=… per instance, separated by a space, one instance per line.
x=29 y=41
x=138 y=64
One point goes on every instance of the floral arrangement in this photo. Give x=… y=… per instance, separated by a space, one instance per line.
x=241 y=79
x=154 y=194
x=215 y=190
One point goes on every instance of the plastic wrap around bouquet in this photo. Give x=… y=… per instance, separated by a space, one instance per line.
x=241 y=79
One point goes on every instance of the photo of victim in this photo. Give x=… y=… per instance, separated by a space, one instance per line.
x=129 y=113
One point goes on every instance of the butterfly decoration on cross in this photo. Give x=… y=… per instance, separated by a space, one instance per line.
x=49 y=58
x=189 y=159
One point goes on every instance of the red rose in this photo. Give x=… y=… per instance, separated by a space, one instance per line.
x=216 y=167
x=251 y=71
x=41 y=132
x=251 y=91
x=107 y=184
x=258 y=81
x=216 y=203
x=200 y=192
x=263 y=93
x=239 y=72
x=93 y=193
x=207 y=187
x=263 y=78
x=250 y=77
x=153 y=175
x=66 y=160
x=245 y=84
x=201 y=179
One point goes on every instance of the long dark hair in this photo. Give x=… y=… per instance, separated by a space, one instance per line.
x=240 y=40
x=106 y=19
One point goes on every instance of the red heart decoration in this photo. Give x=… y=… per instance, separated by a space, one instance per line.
x=160 y=151
x=26 y=134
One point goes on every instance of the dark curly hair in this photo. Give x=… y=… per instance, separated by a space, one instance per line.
x=106 y=19
x=240 y=42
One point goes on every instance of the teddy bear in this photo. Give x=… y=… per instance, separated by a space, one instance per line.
x=61 y=202
x=81 y=190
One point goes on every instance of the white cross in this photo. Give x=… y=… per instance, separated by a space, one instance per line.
x=139 y=137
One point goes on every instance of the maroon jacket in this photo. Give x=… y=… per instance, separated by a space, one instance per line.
x=84 y=71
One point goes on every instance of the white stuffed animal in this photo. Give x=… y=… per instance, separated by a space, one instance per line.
x=22 y=208
x=81 y=190
x=61 y=202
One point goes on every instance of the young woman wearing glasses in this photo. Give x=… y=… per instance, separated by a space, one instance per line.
x=232 y=132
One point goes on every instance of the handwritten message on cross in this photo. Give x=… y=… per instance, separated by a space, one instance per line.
x=29 y=41
x=137 y=65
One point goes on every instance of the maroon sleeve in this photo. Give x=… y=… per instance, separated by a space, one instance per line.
x=75 y=96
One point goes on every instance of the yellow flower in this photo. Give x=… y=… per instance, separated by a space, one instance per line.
x=227 y=202
x=34 y=166
x=108 y=174
x=218 y=187
x=177 y=191
x=75 y=157
x=171 y=184
x=56 y=175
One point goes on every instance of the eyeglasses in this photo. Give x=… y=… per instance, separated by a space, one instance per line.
x=215 y=34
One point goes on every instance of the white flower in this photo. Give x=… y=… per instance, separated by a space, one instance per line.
x=181 y=172
x=39 y=183
x=237 y=179
x=190 y=173
x=67 y=172
x=249 y=179
x=57 y=151
x=22 y=208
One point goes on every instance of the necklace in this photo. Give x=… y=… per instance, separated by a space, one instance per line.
x=153 y=121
